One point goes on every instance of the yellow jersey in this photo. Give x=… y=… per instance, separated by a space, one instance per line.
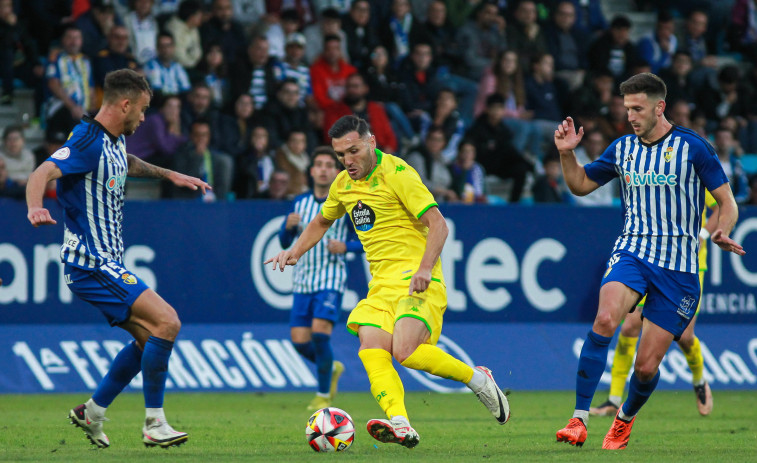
x=710 y=203
x=385 y=207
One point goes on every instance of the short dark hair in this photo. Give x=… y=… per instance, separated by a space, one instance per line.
x=331 y=37
x=331 y=13
x=124 y=83
x=321 y=150
x=12 y=128
x=647 y=83
x=290 y=14
x=620 y=22
x=347 y=124
x=495 y=98
x=188 y=8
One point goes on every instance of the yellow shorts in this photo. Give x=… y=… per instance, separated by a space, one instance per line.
x=640 y=305
x=388 y=301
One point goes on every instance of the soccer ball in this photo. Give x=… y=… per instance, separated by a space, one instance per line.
x=330 y=430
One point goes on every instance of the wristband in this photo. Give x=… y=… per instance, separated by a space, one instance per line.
x=704 y=234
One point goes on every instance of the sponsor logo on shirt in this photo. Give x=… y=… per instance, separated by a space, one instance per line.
x=115 y=182
x=650 y=179
x=363 y=216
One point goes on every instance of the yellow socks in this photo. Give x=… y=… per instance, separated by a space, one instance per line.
x=386 y=385
x=433 y=360
x=621 y=365
x=695 y=361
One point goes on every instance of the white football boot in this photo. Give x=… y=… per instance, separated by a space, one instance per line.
x=92 y=427
x=492 y=397
x=158 y=432
x=394 y=431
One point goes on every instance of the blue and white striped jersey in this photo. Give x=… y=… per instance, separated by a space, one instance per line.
x=318 y=269
x=91 y=191
x=662 y=186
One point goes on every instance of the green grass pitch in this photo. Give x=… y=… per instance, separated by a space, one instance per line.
x=453 y=427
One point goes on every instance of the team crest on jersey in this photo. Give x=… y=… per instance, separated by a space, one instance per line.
x=687 y=307
x=363 y=216
x=668 y=153
x=129 y=279
x=62 y=153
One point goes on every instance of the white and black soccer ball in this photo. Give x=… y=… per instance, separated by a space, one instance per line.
x=330 y=430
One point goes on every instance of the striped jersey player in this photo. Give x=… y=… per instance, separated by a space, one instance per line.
x=664 y=170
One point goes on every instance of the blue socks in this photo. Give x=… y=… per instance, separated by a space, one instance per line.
x=591 y=365
x=638 y=393
x=155 y=370
x=324 y=361
x=124 y=368
x=306 y=349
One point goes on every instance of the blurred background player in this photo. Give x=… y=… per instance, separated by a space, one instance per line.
x=689 y=342
x=319 y=280
x=92 y=167
x=656 y=254
x=403 y=232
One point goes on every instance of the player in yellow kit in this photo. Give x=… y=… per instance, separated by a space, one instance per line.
x=403 y=233
x=689 y=342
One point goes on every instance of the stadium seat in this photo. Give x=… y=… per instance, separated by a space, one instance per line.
x=749 y=161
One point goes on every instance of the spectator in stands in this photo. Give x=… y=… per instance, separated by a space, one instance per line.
x=9 y=188
x=329 y=73
x=693 y=40
x=283 y=114
x=199 y=107
x=214 y=71
x=50 y=19
x=70 y=82
x=595 y=96
x=116 y=56
x=184 y=26
x=420 y=83
x=568 y=45
x=255 y=166
x=293 y=158
x=18 y=56
x=446 y=117
x=678 y=79
x=525 y=35
x=550 y=186
x=294 y=67
x=330 y=23
x=278 y=187
x=545 y=97
x=589 y=17
x=742 y=32
x=494 y=149
x=237 y=129
x=277 y=27
x=195 y=158
x=166 y=75
x=617 y=118
x=223 y=29
x=19 y=160
x=428 y=162
x=468 y=176
x=680 y=113
x=143 y=31
x=356 y=102
x=752 y=201
x=658 y=48
x=592 y=146
x=360 y=37
x=160 y=135
x=53 y=142
x=95 y=26
x=729 y=153
x=441 y=34
x=401 y=31
x=480 y=39
x=613 y=50
x=729 y=96
x=258 y=75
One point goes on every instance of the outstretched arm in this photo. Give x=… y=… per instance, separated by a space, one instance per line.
x=309 y=237
x=140 y=168
x=566 y=140
x=728 y=213
x=35 y=189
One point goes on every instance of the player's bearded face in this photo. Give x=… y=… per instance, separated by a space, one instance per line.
x=641 y=114
x=356 y=154
x=136 y=114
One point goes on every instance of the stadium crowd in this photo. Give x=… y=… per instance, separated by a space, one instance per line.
x=468 y=92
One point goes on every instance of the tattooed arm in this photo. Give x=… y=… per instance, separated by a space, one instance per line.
x=140 y=168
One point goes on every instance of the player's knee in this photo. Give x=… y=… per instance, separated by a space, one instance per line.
x=645 y=371
x=168 y=325
x=605 y=324
x=401 y=353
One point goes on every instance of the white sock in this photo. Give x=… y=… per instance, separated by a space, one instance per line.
x=700 y=382
x=94 y=410
x=402 y=419
x=325 y=395
x=623 y=416
x=583 y=414
x=477 y=381
x=615 y=400
x=155 y=413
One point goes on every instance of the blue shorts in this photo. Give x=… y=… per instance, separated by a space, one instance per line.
x=111 y=288
x=323 y=304
x=672 y=296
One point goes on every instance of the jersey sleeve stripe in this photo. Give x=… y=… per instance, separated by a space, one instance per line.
x=420 y=214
